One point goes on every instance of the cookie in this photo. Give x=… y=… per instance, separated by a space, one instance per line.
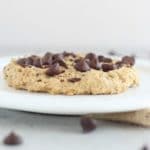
x=72 y=74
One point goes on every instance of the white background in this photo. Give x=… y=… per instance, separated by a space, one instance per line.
x=75 y=24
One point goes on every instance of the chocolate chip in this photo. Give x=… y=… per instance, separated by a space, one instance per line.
x=21 y=62
x=28 y=61
x=66 y=54
x=88 y=124
x=104 y=59
x=58 y=57
x=107 y=67
x=37 y=62
x=118 y=64
x=54 y=70
x=90 y=56
x=82 y=66
x=74 y=80
x=94 y=63
x=12 y=139
x=61 y=63
x=47 y=59
x=128 y=60
x=101 y=58
x=145 y=147
x=107 y=60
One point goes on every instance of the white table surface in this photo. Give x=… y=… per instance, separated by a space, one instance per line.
x=45 y=132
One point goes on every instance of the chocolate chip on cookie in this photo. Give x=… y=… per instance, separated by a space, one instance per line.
x=95 y=64
x=47 y=59
x=118 y=64
x=82 y=65
x=21 y=62
x=128 y=60
x=74 y=79
x=101 y=58
x=90 y=56
x=66 y=54
x=107 y=67
x=29 y=61
x=54 y=70
x=37 y=62
x=107 y=60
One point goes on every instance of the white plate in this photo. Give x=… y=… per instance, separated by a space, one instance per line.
x=133 y=99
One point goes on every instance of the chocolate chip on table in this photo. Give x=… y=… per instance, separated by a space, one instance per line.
x=74 y=79
x=145 y=147
x=54 y=70
x=128 y=60
x=88 y=124
x=82 y=66
x=12 y=139
x=107 y=67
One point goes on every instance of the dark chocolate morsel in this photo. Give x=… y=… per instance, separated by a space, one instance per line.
x=88 y=124
x=66 y=54
x=95 y=64
x=90 y=56
x=128 y=60
x=101 y=58
x=74 y=79
x=12 y=139
x=21 y=62
x=82 y=66
x=54 y=70
x=47 y=59
x=107 y=67
x=37 y=62
x=107 y=60
x=118 y=64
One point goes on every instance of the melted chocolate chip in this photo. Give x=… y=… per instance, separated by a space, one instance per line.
x=107 y=67
x=82 y=66
x=54 y=70
x=12 y=139
x=88 y=124
x=74 y=80
x=128 y=60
